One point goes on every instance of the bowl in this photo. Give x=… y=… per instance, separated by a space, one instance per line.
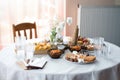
x=55 y=53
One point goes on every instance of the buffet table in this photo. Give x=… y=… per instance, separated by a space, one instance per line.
x=104 y=68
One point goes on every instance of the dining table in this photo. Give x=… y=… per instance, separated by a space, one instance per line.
x=105 y=67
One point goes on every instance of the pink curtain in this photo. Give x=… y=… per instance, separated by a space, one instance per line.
x=17 y=11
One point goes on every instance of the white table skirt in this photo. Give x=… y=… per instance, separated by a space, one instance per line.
x=103 y=68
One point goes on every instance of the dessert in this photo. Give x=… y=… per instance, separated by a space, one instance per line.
x=90 y=47
x=84 y=47
x=71 y=57
x=80 y=57
x=75 y=48
x=83 y=41
x=89 y=59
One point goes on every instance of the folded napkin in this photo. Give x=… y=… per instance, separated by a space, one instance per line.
x=37 y=63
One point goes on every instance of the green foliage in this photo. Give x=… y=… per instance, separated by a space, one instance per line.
x=53 y=34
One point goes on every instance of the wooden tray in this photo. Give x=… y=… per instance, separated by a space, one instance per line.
x=40 y=52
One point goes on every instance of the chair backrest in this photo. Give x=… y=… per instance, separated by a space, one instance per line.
x=24 y=27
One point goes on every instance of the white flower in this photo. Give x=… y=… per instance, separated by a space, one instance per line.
x=60 y=27
x=57 y=28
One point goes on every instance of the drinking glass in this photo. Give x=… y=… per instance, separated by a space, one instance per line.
x=29 y=51
x=98 y=44
x=20 y=47
x=106 y=50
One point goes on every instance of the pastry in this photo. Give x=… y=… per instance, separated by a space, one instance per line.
x=71 y=57
x=86 y=57
x=42 y=46
x=89 y=59
x=76 y=48
x=90 y=47
x=55 y=53
x=76 y=57
x=83 y=41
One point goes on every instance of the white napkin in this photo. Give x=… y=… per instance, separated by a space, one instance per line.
x=38 y=62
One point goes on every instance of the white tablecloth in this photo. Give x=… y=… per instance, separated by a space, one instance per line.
x=104 y=68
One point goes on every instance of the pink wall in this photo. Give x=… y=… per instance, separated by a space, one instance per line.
x=71 y=10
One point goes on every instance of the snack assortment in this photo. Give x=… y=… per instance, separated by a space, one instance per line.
x=87 y=58
x=83 y=41
x=90 y=47
x=83 y=45
x=75 y=48
x=80 y=58
x=71 y=57
x=42 y=47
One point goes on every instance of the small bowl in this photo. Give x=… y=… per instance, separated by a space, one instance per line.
x=61 y=47
x=55 y=53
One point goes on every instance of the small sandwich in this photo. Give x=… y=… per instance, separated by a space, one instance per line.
x=75 y=48
x=71 y=57
x=86 y=58
x=89 y=59
x=80 y=58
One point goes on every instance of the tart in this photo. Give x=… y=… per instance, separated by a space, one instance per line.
x=75 y=48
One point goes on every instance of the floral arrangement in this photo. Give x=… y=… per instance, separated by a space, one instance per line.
x=56 y=31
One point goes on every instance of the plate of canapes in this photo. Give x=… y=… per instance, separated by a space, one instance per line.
x=80 y=57
x=85 y=44
x=82 y=48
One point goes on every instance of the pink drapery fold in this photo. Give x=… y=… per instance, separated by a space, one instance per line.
x=17 y=11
